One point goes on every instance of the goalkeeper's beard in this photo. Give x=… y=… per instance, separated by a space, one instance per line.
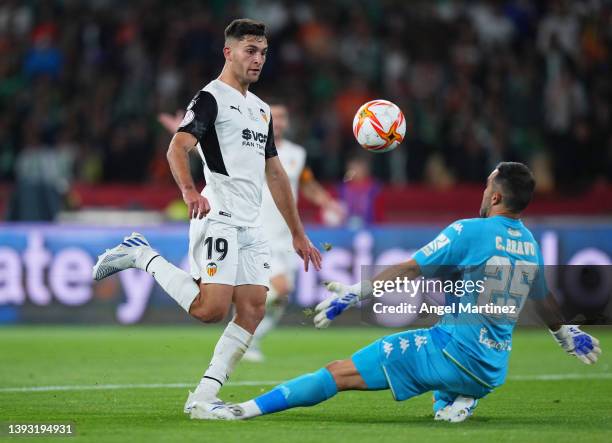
x=484 y=211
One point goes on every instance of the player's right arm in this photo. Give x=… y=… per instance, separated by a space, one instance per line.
x=199 y=119
x=178 y=159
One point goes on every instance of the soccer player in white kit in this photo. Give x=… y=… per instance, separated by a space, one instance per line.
x=283 y=262
x=228 y=253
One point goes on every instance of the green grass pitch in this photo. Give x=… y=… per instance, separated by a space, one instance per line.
x=548 y=397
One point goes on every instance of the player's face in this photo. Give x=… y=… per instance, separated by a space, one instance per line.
x=280 y=120
x=247 y=57
x=488 y=196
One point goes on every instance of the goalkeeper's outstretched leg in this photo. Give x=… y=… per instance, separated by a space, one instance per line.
x=408 y=364
x=306 y=390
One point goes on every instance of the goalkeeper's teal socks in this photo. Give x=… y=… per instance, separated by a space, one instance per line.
x=306 y=390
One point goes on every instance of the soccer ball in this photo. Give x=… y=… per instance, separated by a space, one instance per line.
x=379 y=126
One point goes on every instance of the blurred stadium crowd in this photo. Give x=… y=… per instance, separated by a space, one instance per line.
x=81 y=83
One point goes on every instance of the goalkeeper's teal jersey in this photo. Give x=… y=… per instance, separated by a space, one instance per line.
x=501 y=254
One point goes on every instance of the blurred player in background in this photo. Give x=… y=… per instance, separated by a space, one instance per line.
x=283 y=262
x=465 y=355
x=358 y=191
x=228 y=252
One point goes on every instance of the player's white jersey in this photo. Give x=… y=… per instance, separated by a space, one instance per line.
x=235 y=138
x=293 y=159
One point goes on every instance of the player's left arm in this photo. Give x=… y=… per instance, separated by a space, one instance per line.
x=571 y=338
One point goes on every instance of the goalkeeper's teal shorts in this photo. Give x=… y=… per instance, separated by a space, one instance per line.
x=411 y=363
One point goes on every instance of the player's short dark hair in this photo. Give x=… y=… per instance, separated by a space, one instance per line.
x=517 y=184
x=242 y=27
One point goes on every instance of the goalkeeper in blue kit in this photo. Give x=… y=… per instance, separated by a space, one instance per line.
x=465 y=355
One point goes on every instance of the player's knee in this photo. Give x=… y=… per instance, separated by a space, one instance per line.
x=209 y=314
x=257 y=312
x=253 y=312
x=213 y=315
x=335 y=368
x=345 y=375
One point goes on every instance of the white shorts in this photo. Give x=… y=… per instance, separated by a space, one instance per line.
x=227 y=254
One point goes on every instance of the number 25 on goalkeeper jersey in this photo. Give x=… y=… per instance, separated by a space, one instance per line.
x=501 y=253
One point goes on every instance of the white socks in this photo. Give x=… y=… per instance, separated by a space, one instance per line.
x=229 y=350
x=176 y=282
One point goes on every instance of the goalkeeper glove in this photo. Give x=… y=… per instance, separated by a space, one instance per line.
x=344 y=297
x=578 y=343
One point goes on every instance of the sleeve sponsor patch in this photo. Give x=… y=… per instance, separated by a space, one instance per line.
x=435 y=245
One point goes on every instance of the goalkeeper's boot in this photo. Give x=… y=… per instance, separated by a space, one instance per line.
x=133 y=252
x=216 y=411
x=459 y=410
